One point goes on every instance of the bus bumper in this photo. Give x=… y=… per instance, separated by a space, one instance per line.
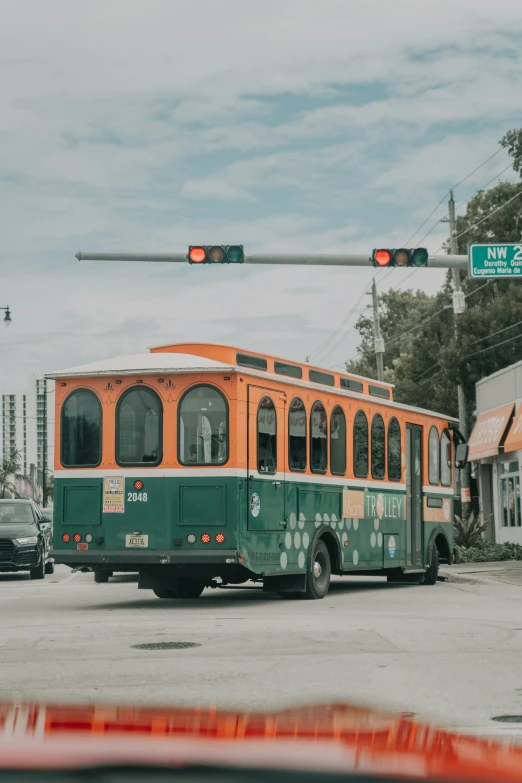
x=116 y=560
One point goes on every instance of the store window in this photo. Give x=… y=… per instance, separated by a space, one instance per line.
x=510 y=494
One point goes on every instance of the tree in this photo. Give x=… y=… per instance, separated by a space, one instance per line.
x=10 y=473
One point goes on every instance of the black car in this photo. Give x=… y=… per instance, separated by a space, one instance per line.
x=26 y=538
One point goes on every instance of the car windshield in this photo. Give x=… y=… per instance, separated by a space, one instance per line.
x=15 y=512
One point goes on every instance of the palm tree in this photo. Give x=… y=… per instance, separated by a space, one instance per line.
x=10 y=473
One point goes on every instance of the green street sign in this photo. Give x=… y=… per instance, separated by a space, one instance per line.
x=495 y=261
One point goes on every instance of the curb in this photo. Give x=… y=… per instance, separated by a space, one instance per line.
x=456 y=578
x=465 y=580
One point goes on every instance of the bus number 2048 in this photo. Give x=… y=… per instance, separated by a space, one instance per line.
x=137 y=497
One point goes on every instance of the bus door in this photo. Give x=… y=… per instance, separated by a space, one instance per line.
x=414 y=527
x=266 y=449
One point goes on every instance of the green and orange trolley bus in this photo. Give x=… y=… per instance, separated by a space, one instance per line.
x=205 y=465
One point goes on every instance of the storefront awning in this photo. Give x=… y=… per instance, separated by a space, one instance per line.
x=514 y=438
x=488 y=432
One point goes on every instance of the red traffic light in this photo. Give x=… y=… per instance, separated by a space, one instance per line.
x=385 y=256
x=197 y=254
x=381 y=257
x=216 y=254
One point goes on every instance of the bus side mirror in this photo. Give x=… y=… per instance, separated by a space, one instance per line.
x=461 y=455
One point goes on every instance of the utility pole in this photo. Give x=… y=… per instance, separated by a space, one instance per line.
x=378 y=340
x=459 y=306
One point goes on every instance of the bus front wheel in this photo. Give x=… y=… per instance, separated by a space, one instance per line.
x=318 y=579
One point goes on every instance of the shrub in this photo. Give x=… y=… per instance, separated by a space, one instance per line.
x=468 y=532
x=489 y=551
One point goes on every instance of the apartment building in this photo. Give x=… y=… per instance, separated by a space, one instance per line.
x=27 y=425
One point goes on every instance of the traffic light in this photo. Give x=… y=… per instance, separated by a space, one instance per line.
x=400 y=257
x=215 y=254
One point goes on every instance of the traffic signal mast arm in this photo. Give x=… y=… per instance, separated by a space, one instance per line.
x=297 y=259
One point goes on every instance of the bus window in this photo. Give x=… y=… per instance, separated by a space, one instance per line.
x=203 y=427
x=297 y=435
x=378 y=447
x=266 y=436
x=338 y=442
x=445 y=459
x=81 y=442
x=139 y=428
x=318 y=439
x=394 y=450
x=360 y=445
x=433 y=456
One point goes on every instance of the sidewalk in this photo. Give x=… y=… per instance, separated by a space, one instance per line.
x=507 y=571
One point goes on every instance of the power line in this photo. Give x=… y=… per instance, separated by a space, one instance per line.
x=400 y=337
x=426 y=371
x=509 y=166
x=494 y=334
x=447 y=194
x=484 y=218
x=516 y=337
x=490 y=214
x=337 y=331
x=471 y=293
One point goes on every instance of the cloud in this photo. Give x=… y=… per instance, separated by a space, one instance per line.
x=291 y=127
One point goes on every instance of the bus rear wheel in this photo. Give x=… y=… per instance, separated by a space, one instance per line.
x=165 y=594
x=189 y=588
x=318 y=579
x=184 y=588
x=432 y=572
x=100 y=577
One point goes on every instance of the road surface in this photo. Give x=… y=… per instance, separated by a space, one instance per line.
x=449 y=653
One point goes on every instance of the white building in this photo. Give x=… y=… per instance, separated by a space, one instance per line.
x=14 y=433
x=496 y=446
x=27 y=424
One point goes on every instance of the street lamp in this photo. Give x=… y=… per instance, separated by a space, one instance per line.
x=7 y=316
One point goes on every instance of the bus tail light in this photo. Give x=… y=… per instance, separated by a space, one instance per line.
x=191 y=538
x=77 y=537
x=205 y=538
x=138 y=484
x=66 y=538
x=88 y=538
x=220 y=538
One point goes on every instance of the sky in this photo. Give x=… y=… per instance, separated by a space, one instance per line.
x=286 y=126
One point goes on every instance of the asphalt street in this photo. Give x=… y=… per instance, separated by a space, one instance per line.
x=449 y=653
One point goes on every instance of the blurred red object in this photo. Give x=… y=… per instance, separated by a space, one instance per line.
x=333 y=738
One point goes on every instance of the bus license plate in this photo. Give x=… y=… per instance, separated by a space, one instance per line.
x=137 y=542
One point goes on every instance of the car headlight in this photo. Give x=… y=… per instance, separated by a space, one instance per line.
x=28 y=540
